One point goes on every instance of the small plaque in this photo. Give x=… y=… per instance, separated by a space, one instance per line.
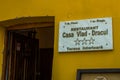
x=98 y=74
x=100 y=78
x=85 y=35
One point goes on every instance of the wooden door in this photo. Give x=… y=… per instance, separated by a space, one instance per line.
x=44 y=64
x=22 y=57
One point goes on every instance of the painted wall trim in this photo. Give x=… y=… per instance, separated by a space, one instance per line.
x=25 y=20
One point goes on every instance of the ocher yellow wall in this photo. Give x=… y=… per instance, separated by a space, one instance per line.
x=65 y=64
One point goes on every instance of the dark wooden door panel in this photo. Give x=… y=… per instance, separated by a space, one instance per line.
x=44 y=66
x=22 y=61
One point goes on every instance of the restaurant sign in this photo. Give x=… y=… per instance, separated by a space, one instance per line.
x=85 y=35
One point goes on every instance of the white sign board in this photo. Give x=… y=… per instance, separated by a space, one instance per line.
x=85 y=35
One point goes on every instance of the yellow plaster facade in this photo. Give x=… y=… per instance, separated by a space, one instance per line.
x=66 y=64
